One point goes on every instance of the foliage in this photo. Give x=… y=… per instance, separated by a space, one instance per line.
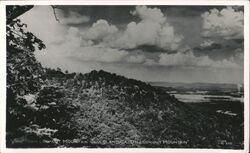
x=118 y=112
x=31 y=101
x=23 y=71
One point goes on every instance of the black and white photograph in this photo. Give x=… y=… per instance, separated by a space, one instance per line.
x=125 y=76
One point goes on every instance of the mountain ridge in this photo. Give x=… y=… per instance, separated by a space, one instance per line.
x=137 y=111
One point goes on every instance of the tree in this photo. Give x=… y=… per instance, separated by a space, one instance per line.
x=23 y=71
x=13 y=12
x=36 y=110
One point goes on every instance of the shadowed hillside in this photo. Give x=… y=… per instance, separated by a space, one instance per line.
x=115 y=111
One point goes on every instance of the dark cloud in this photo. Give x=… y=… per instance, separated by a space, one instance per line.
x=113 y=14
x=239 y=41
x=213 y=46
x=219 y=51
x=152 y=49
x=188 y=11
x=121 y=14
x=238 y=8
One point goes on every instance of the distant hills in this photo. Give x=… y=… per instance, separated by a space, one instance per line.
x=197 y=86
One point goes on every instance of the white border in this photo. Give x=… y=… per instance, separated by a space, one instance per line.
x=246 y=77
x=123 y=2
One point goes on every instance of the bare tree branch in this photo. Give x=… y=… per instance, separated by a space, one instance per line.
x=54 y=11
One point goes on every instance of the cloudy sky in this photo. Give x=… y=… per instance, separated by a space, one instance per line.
x=150 y=43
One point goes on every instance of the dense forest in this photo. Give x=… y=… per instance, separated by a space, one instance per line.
x=51 y=108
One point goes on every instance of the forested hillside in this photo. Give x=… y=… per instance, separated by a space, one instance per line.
x=51 y=108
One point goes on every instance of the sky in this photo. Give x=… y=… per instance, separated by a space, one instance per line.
x=148 y=43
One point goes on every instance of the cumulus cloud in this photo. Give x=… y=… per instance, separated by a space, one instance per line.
x=77 y=47
x=72 y=18
x=190 y=60
x=143 y=33
x=206 y=43
x=151 y=14
x=227 y=23
x=153 y=29
x=99 y=30
x=96 y=52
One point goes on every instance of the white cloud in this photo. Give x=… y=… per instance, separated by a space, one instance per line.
x=75 y=46
x=190 y=60
x=226 y=23
x=151 y=14
x=153 y=29
x=99 y=30
x=143 y=33
x=63 y=41
x=206 y=43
